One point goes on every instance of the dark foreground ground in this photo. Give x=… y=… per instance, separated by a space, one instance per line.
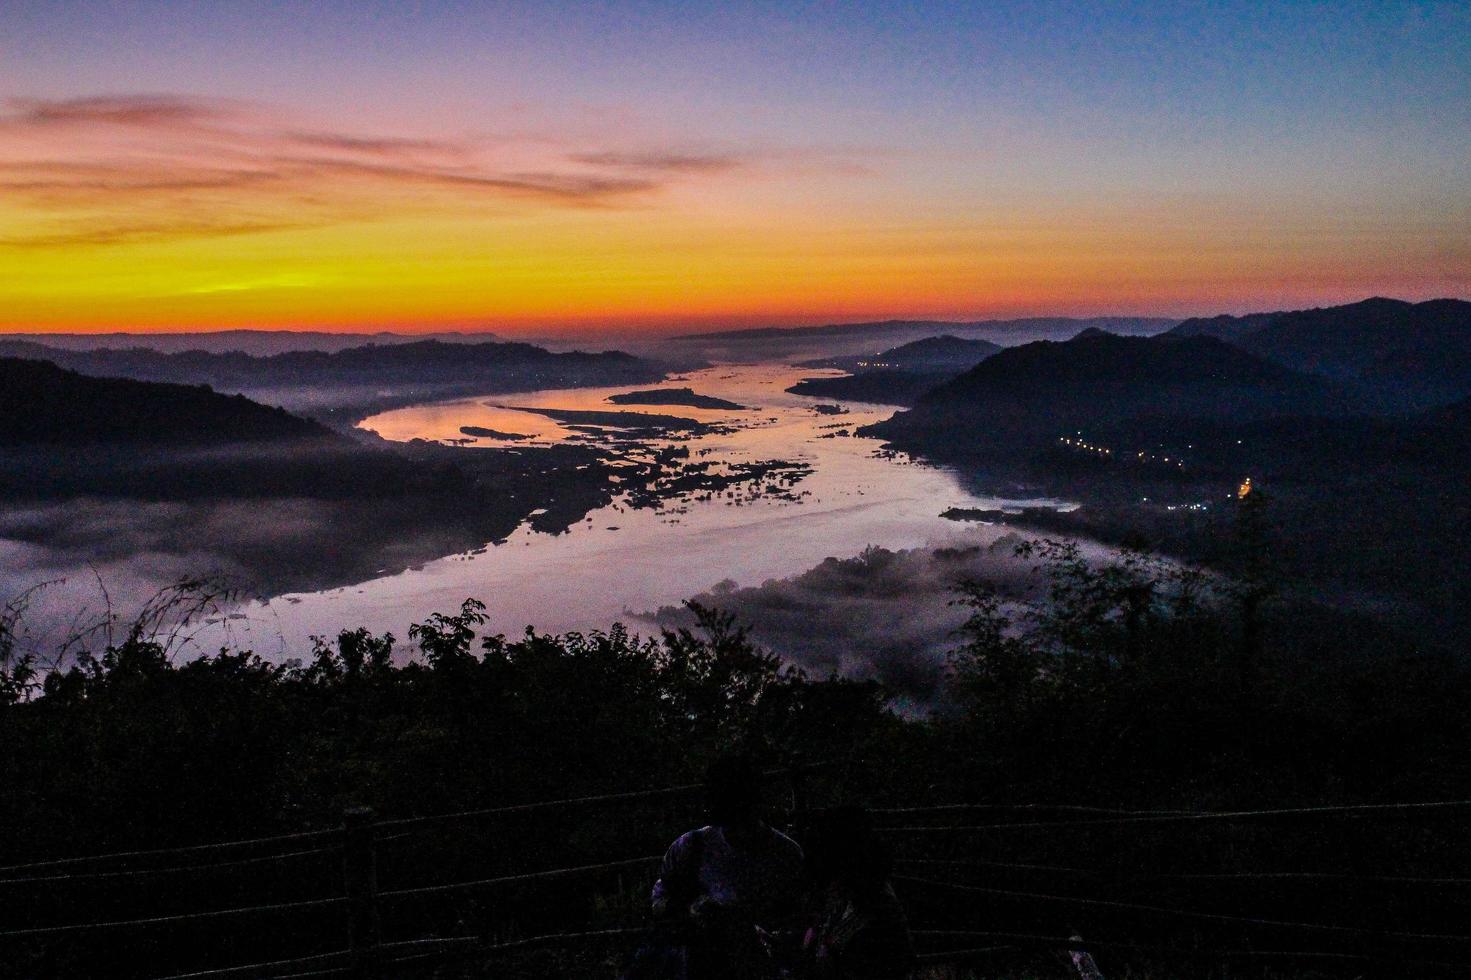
x=1126 y=687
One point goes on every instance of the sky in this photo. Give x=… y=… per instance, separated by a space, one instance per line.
x=601 y=168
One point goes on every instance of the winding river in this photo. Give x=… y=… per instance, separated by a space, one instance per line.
x=622 y=562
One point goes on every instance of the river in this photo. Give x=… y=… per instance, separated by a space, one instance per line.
x=621 y=562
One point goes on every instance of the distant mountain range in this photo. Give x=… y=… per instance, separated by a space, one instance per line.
x=1413 y=354
x=1064 y=326
x=44 y=405
x=357 y=378
x=258 y=342
x=425 y=361
x=866 y=339
x=1376 y=356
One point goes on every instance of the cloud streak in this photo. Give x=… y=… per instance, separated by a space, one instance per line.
x=112 y=170
x=660 y=162
x=128 y=233
x=147 y=111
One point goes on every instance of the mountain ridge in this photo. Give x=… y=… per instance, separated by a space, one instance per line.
x=1028 y=394
x=42 y=404
x=1414 y=354
x=358 y=380
x=1122 y=323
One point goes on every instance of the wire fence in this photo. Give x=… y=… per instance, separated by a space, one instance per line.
x=1116 y=874
x=1135 y=817
x=168 y=851
x=357 y=841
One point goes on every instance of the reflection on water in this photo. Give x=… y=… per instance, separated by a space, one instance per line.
x=443 y=421
x=623 y=561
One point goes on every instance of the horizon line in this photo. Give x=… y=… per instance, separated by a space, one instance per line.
x=678 y=329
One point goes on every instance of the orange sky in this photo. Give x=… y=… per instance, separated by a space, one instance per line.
x=682 y=175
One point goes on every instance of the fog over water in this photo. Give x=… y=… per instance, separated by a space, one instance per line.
x=622 y=563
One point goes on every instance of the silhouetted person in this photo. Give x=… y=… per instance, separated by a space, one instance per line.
x=861 y=932
x=732 y=881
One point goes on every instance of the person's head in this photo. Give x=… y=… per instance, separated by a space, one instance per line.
x=733 y=790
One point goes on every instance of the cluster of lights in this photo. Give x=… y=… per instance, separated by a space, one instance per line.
x=876 y=364
x=1144 y=457
x=1243 y=491
x=1084 y=446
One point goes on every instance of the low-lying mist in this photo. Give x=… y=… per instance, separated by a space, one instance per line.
x=889 y=616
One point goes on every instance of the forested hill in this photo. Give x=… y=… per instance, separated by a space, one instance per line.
x=899 y=375
x=1035 y=391
x=42 y=404
x=943 y=354
x=1224 y=326
x=1420 y=352
x=1102 y=358
x=944 y=348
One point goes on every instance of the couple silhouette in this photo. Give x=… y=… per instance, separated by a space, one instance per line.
x=738 y=899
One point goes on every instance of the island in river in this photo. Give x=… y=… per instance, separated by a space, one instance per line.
x=481 y=432
x=673 y=396
x=634 y=423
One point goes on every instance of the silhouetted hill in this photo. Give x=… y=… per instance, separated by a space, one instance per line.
x=899 y=375
x=358 y=379
x=95 y=467
x=1153 y=435
x=1223 y=327
x=1026 y=395
x=1409 y=354
x=42 y=404
x=946 y=353
x=1425 y=344
x=882 y=387
x=1127 y=361
x=943 y=351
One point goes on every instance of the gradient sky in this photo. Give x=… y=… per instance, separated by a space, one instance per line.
x=601 y=167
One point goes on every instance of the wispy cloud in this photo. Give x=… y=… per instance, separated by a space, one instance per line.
x=149 y=111
x=60 y=182
x=123 y=169
x=376 y=145
x=67 y=234
x=659 y=162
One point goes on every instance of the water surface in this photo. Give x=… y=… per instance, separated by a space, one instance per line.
x=620 y=562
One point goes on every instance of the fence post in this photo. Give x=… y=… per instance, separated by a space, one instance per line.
x=360 y=876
